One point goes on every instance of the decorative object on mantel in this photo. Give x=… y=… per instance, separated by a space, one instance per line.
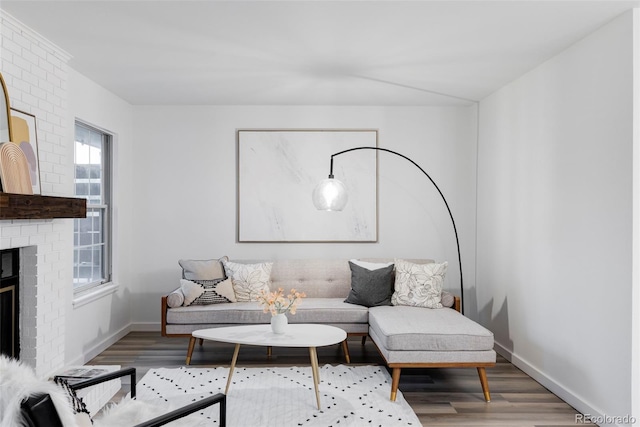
x=5 y=127
x=23 y=129
x=14 y=169
x=330 y=195
x=278 y=305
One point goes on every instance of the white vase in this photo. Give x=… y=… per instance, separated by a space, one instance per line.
x=279 y=323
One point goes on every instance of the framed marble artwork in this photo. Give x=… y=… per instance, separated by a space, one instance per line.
x=277 y=171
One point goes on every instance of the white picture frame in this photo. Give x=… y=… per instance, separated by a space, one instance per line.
x=277 y=171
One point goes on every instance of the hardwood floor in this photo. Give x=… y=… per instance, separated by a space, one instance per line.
x=440 y=397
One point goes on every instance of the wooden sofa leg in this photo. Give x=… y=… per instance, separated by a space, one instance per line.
x=482 y=373
x=201 y=341
x=395 y=381
x=364 y=339
x=192 y=343
x=345 y=350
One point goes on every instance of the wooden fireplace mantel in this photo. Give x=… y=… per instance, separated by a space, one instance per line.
x=33 y=206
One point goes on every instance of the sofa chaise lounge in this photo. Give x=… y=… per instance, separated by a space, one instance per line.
x=406 y=336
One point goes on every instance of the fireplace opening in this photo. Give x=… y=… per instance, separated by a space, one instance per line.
x=9 y=288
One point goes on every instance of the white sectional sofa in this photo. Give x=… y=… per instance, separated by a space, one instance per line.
x=406 y=336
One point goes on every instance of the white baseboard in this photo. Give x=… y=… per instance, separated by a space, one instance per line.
x=100 y=347
x=564 y=393
x=112 y=339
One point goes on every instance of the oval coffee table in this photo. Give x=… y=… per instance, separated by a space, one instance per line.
x=297 y=335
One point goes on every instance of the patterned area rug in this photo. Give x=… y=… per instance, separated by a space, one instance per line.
x=349 y=396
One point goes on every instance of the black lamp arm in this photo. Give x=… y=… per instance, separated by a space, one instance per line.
x=455 y=229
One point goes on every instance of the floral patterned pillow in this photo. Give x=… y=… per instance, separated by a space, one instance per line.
x=418 y=285
x=248 y=279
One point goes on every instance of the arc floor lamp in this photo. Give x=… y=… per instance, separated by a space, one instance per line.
x=331 y=195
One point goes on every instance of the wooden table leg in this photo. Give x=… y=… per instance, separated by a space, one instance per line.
x=192 y=343
x=232 y=367
x=313 y=354
x=345 y=350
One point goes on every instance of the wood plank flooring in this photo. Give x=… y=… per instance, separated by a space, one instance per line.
x=440 y=397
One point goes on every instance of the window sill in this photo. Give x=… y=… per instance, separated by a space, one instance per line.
x=90 y=295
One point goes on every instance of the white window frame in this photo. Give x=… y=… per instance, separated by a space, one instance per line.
x=87 y=292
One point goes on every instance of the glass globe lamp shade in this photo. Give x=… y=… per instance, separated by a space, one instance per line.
x=330 y=195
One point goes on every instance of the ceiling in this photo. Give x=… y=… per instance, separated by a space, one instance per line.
x=310 y=52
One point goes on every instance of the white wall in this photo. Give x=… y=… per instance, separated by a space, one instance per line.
x=185 y=176
x=100 y=322
x=554 y=246
x=635 y=377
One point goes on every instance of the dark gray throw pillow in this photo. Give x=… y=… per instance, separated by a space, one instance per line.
x=371 y=288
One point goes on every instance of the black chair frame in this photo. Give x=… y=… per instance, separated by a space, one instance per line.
x=39 y=408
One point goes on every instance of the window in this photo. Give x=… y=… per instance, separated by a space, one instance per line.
x=92 y=238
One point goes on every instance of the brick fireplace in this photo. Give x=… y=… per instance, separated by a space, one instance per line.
x=36 y=74
x=45 y=288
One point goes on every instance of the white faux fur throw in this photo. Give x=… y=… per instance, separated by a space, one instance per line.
x=18 y=381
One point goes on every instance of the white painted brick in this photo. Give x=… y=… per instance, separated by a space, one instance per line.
x=38 y=72
x=31 y=79
x=53 y=178
x=55 y=78
x=36 y=239
x=37 y=92
x=8 y=57
x=47 y=189
x=29 y=229
x=8 y=69
x=11 y=46
x=58 y=103
x=20 y=62
x=39 y=52
x=61 y=189
x=36 y=76
x=19 y=241
x=55 y=61
x=60 y=130
x=7 y=31
x=22 y=41
x=45 y=105
x=10 y=231
x=46 y=84
x=30 y=99
x=30 y=57
x=54 y=119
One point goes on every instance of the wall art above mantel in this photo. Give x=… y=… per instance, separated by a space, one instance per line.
x=277 y=171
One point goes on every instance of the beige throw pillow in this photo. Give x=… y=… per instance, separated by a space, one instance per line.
x=248 y=279
x=419 y=285
x=202 y=269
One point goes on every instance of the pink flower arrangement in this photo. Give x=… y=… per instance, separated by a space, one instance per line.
x=278 y=303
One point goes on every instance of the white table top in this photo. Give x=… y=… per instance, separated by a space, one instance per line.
x=297 y=335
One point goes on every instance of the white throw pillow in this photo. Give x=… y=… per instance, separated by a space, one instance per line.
x=205 y=292
x=248 y=279
x=419 y=285
x=190 y=290
x=175 y=298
